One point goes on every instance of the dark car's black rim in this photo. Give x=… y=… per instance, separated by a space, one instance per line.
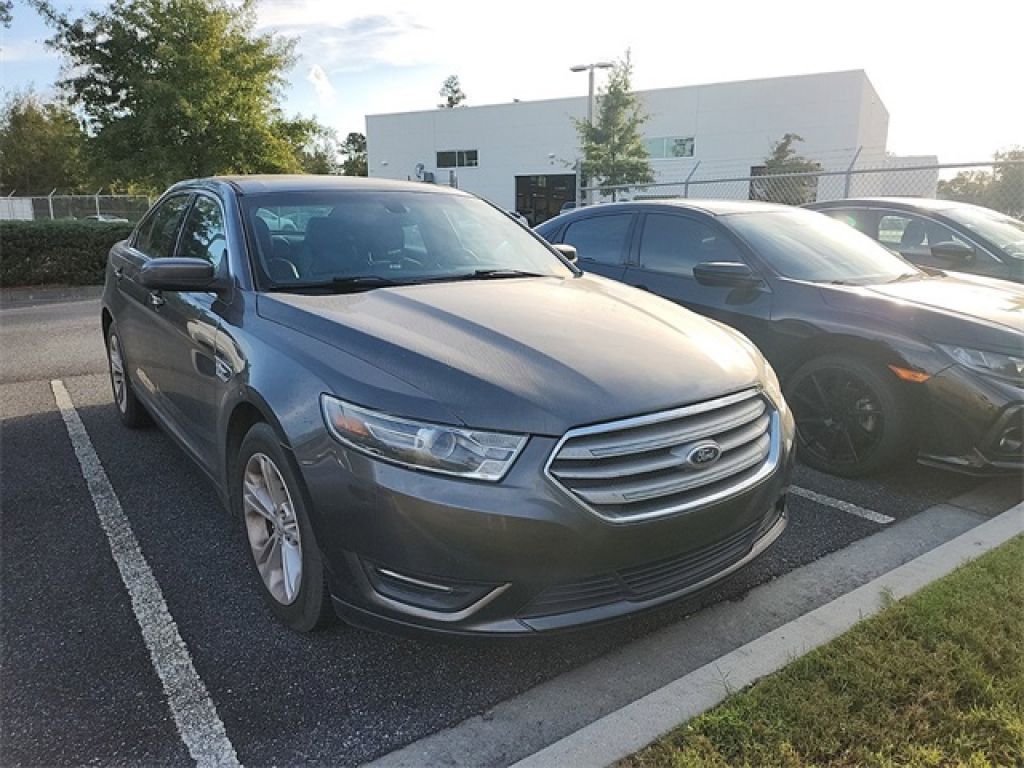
x=839 y=417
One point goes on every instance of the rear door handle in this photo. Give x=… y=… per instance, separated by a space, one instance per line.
x=156 y=300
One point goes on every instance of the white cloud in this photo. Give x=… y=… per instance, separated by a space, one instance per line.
x=321 y=84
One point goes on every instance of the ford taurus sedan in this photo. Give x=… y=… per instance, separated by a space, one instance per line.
x=423 y=415
x=880 y=360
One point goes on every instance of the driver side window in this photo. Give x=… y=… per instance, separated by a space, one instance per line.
x=203 y=236
x=675 y=244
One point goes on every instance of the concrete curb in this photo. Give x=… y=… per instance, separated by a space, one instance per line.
x=623 y=732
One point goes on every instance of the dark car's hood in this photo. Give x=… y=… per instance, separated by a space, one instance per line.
x=954 y=308
x=536 y=355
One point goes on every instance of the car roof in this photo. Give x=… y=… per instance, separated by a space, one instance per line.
x=266 y=183
x=710 y=207
x=919 y=203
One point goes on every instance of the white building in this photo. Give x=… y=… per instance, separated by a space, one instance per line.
x=521 y=155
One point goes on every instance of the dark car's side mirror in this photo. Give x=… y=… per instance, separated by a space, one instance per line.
x=178 y=274
x=725 y=274
x=568 y=252
x=951 y=250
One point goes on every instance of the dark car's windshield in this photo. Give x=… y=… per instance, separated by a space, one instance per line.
x=804 y=245
x=1003 y=231
x=372 y=238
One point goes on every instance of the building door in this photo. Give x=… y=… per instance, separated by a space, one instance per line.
x=540 y=198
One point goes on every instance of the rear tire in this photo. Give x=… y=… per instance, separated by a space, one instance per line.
x=852 y=417
x=129 y=409
x=270 y=503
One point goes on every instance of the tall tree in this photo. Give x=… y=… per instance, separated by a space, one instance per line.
x=354 y=150
x=452 y=93
x=784 y=160
x=41 y=146
x=179 y=88
x=613 y=147
x=5 y=12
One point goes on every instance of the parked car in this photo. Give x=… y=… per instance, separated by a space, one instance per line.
x=878 y=359
x=938 y=233
x=106 y=218
x=422 y=413
x=517 y=217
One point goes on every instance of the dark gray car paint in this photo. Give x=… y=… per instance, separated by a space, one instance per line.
x=535 y=356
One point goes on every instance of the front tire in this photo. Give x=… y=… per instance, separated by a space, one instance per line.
x=852 y=418
x=282 y=549
x=129 y=409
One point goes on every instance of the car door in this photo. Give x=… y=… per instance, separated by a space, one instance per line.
x=912 y=236
x=601 y=242
x=185 y=325
x=671 y=244
x=155 y=237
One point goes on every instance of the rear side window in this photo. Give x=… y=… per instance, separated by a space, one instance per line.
x=600 y=238
x=674 y=244
x=159 y=232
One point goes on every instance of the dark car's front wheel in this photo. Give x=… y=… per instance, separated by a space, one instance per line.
x=129 y=409
x=282 y=548
x=850 y=416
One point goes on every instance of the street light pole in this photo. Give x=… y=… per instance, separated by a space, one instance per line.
x=589 y=68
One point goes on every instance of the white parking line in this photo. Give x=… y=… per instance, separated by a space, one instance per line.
x=194 y=712
x=845 y=506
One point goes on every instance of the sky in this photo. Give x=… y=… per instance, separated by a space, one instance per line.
x=949 y=73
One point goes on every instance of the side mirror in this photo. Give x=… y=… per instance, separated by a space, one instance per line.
x=725 y=274
x=178 y=274
x=568 y=252
x=952 y=251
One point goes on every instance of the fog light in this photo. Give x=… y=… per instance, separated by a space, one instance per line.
x=1012 y=440
x=424 y=592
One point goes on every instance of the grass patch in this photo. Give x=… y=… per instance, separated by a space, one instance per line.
x=934 y=680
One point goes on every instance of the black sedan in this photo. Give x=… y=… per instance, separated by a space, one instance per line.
x=421 y=413
x=938 y=233
x=879 y=359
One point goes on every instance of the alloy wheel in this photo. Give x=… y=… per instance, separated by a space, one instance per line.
x=272 y=528
x=117 y=374
x=839 y=417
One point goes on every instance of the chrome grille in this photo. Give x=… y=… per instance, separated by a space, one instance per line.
x=640 y=468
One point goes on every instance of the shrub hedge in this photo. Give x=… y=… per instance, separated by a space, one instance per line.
x=63 y=251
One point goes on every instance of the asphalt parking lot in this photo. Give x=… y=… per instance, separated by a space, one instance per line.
x=77 y=685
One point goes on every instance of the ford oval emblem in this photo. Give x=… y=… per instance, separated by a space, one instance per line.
x=704 y=454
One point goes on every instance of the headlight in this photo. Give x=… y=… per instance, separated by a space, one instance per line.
x=773 y=389
x=433 y=447
x=992 y=363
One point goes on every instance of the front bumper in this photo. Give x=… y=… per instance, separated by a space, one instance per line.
x=973 y=423
x=519 y=556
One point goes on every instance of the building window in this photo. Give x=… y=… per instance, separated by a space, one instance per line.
x=457 y=158
x=670 y=146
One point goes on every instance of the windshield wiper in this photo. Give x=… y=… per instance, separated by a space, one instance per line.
x=349 y=284
x=490 y=274
x=906 y=276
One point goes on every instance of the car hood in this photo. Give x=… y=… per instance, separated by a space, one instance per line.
x=536 y=355
x=951 y=308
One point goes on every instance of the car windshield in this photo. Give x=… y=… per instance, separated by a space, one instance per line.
x=1003 y=231
x=333 y=239
x=804 y=245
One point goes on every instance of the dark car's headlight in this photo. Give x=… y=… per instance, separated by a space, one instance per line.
x=449 y=450
x=993 y=363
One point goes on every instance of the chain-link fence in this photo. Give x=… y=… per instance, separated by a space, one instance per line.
x=999 y=186
x=128 y=208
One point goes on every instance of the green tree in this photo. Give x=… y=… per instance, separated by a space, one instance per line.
x=5 y=12
x=452 y=93
x=174 y=89
x=41 y=146
x=613 y=147
x=781 y=161
x=1001 y=189
x=354 y=150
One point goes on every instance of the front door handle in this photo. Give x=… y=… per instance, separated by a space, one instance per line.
x=156 y=300
x=118 y=272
